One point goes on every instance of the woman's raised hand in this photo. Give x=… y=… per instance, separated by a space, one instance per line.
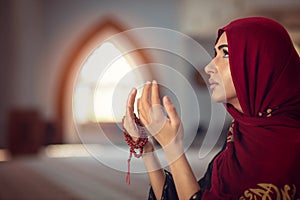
x=130 y=124
x=128 y=120
x=165 y=130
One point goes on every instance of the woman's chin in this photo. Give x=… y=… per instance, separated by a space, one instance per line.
x=217 y=99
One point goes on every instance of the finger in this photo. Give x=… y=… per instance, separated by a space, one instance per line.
x=171 y=110
x=157 y=119
x=130 y=126
x=130 y=102
x=139 y=108
x=146 y=93
x=140 y=112
x=155 y=99
x=138 y=104
x=131 y=97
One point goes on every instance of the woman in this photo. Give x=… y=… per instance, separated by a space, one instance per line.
x=256 y=74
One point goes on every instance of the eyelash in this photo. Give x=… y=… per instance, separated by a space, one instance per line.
x=225 y=52
x=226 y=55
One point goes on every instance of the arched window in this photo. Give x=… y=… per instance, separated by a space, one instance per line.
x=94 y=90
x=89 y=88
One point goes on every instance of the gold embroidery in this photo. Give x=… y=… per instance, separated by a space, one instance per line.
x=230 y=136
x=285 y=192
x=269 y=110
x=267 y=113
x=268 y=191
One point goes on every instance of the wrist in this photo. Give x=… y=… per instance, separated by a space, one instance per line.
x=173 y=151
x=148 y=148
x=151 y=161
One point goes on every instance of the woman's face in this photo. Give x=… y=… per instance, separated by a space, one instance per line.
x=221 y=84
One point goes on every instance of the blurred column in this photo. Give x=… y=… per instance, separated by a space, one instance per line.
x=24 y=43
x=6 y=66
x=26 y=33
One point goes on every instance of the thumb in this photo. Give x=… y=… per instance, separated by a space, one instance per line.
x=171 y=110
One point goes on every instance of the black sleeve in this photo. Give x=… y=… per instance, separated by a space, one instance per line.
x=169 y=190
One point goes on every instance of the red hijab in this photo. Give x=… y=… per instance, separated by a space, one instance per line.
x=262 y=157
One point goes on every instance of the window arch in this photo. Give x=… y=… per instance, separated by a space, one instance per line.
x=86 y=83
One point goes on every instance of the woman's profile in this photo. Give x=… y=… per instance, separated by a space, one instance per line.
x=256 y=75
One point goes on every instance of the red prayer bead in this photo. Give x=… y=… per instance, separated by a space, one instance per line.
x=138 y=144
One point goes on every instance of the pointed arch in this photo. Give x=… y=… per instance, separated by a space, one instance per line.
x=104 y=29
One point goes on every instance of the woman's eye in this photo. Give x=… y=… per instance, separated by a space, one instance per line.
x=225 y=52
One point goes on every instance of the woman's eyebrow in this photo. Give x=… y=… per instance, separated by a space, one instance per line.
x=221 y=46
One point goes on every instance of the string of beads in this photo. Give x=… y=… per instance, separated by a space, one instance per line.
x=138 y=144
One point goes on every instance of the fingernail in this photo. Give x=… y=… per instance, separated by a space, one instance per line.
x=148 y=82
x=154 y=82
x=167 y=99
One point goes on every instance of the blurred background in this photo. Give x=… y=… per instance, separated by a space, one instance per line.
x=47 y=98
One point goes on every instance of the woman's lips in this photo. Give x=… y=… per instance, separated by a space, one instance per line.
x=212 y=84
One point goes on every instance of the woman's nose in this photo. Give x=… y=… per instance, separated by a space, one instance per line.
x=210 y=68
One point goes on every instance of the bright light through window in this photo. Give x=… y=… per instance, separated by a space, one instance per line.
x=96 y=83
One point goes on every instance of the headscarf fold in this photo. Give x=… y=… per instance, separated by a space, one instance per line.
x=262 y=157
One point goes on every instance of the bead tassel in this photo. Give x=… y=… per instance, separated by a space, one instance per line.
x=128 y=170
x=138 y=144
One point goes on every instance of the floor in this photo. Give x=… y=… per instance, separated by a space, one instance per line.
x=74 y=172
